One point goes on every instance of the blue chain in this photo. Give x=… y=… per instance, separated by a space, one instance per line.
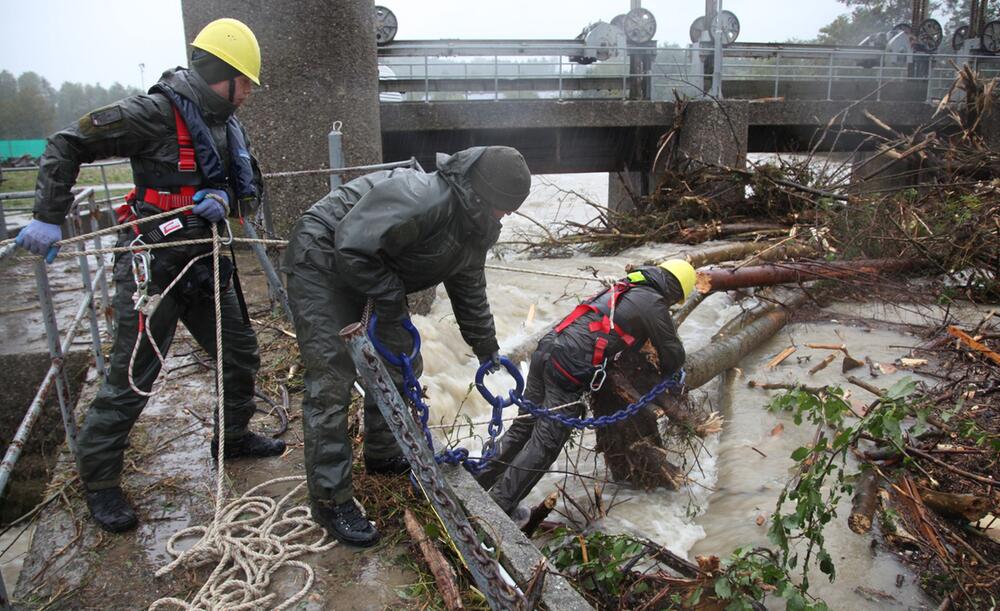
x=414 y=392
x=516 y=397
x=459 y=455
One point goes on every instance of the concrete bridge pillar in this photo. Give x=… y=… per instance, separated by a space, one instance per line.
x=319 y=65
x=712 y=132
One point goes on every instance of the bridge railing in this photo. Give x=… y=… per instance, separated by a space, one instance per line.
x=454 y=71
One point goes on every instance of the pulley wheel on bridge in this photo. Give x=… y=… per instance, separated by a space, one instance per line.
x=730 y=28
x=696 y=29
x=385 y=25
x=990 y=38
x=959 y=37
x=639 y=25
x=929 y=34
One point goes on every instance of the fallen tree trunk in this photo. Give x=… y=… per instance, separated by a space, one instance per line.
x=738 y=250
x=633 y=449
x=725 y=279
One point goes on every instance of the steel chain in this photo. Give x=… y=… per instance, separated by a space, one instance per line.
x=427 y=474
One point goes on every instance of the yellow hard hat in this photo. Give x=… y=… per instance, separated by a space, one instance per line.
x=234 y=43
x=684 y=272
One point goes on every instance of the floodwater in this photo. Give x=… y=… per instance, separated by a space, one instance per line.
x=733 y=485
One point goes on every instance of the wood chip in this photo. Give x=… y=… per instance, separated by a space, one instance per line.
x=886 y=368
x=822 y=364
x=761 y=519
x=777 y=430
x=781 y=356
x=911 y=363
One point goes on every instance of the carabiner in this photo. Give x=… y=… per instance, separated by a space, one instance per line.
x=600 y=375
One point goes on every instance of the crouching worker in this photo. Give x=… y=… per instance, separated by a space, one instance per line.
x=380 y=237
x=186 y=147
x=575 y=354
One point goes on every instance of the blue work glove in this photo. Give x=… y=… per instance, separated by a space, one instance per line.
x=494 y=361
x=211 y=204
x=38 y=237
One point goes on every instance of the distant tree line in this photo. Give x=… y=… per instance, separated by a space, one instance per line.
x=30 y=107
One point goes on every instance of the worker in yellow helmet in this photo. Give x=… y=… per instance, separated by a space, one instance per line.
x=186 y=148
x=574 y=357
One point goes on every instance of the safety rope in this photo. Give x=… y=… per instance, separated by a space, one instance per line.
x=535 y=272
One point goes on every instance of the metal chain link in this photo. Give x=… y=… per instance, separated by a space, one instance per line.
x=429 y=478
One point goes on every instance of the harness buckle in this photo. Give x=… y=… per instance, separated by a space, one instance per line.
x=600 y=375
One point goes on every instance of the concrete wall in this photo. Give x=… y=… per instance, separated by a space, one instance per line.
x=319 y=66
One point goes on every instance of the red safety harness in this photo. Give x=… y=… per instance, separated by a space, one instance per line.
x=601 y=327
x=165 y=200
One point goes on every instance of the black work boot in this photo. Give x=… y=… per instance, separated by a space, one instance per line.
x=396 y=465
x=345 y=521
x=111 y=511
x=250 y=445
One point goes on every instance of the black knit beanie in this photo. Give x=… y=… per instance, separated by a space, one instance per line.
x=501 y=178
x=211 y=68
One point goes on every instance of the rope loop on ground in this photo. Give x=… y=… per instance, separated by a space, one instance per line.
x=250 y=538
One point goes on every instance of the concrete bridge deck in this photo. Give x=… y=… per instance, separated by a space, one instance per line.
x=605 y=135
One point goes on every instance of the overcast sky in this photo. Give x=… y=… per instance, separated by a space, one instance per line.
x=104 y=41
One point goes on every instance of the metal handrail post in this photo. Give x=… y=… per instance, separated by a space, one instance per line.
x=496 y=78
x=273 y=281
x=777 y=71
x=55 y=350
x=426 y=471
x=3 y=223
x=625 y=74
x=829 y=79
x=102 y=277
x=930 y=77
x=427 y=82
x=104 y=179
x=560 y=77
x=95 y=329
x=881 y=67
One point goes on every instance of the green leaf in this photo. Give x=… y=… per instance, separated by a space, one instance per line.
x=901 y=389
x=694 y=598
x=826 y=564
x=722 y=588
x=800 y=454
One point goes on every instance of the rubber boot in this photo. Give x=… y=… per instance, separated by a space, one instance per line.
x=250 y=445
x=346 y=522
x=111 y=511
x=397 y=465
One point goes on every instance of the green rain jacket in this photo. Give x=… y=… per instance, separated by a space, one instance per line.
x=396 y=232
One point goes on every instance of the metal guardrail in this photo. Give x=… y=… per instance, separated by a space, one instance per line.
x=83 y=217
x=56 y=373
x=450 y=70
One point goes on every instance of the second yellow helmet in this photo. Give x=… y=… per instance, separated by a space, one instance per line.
x=684 y=272
x=234 y=43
